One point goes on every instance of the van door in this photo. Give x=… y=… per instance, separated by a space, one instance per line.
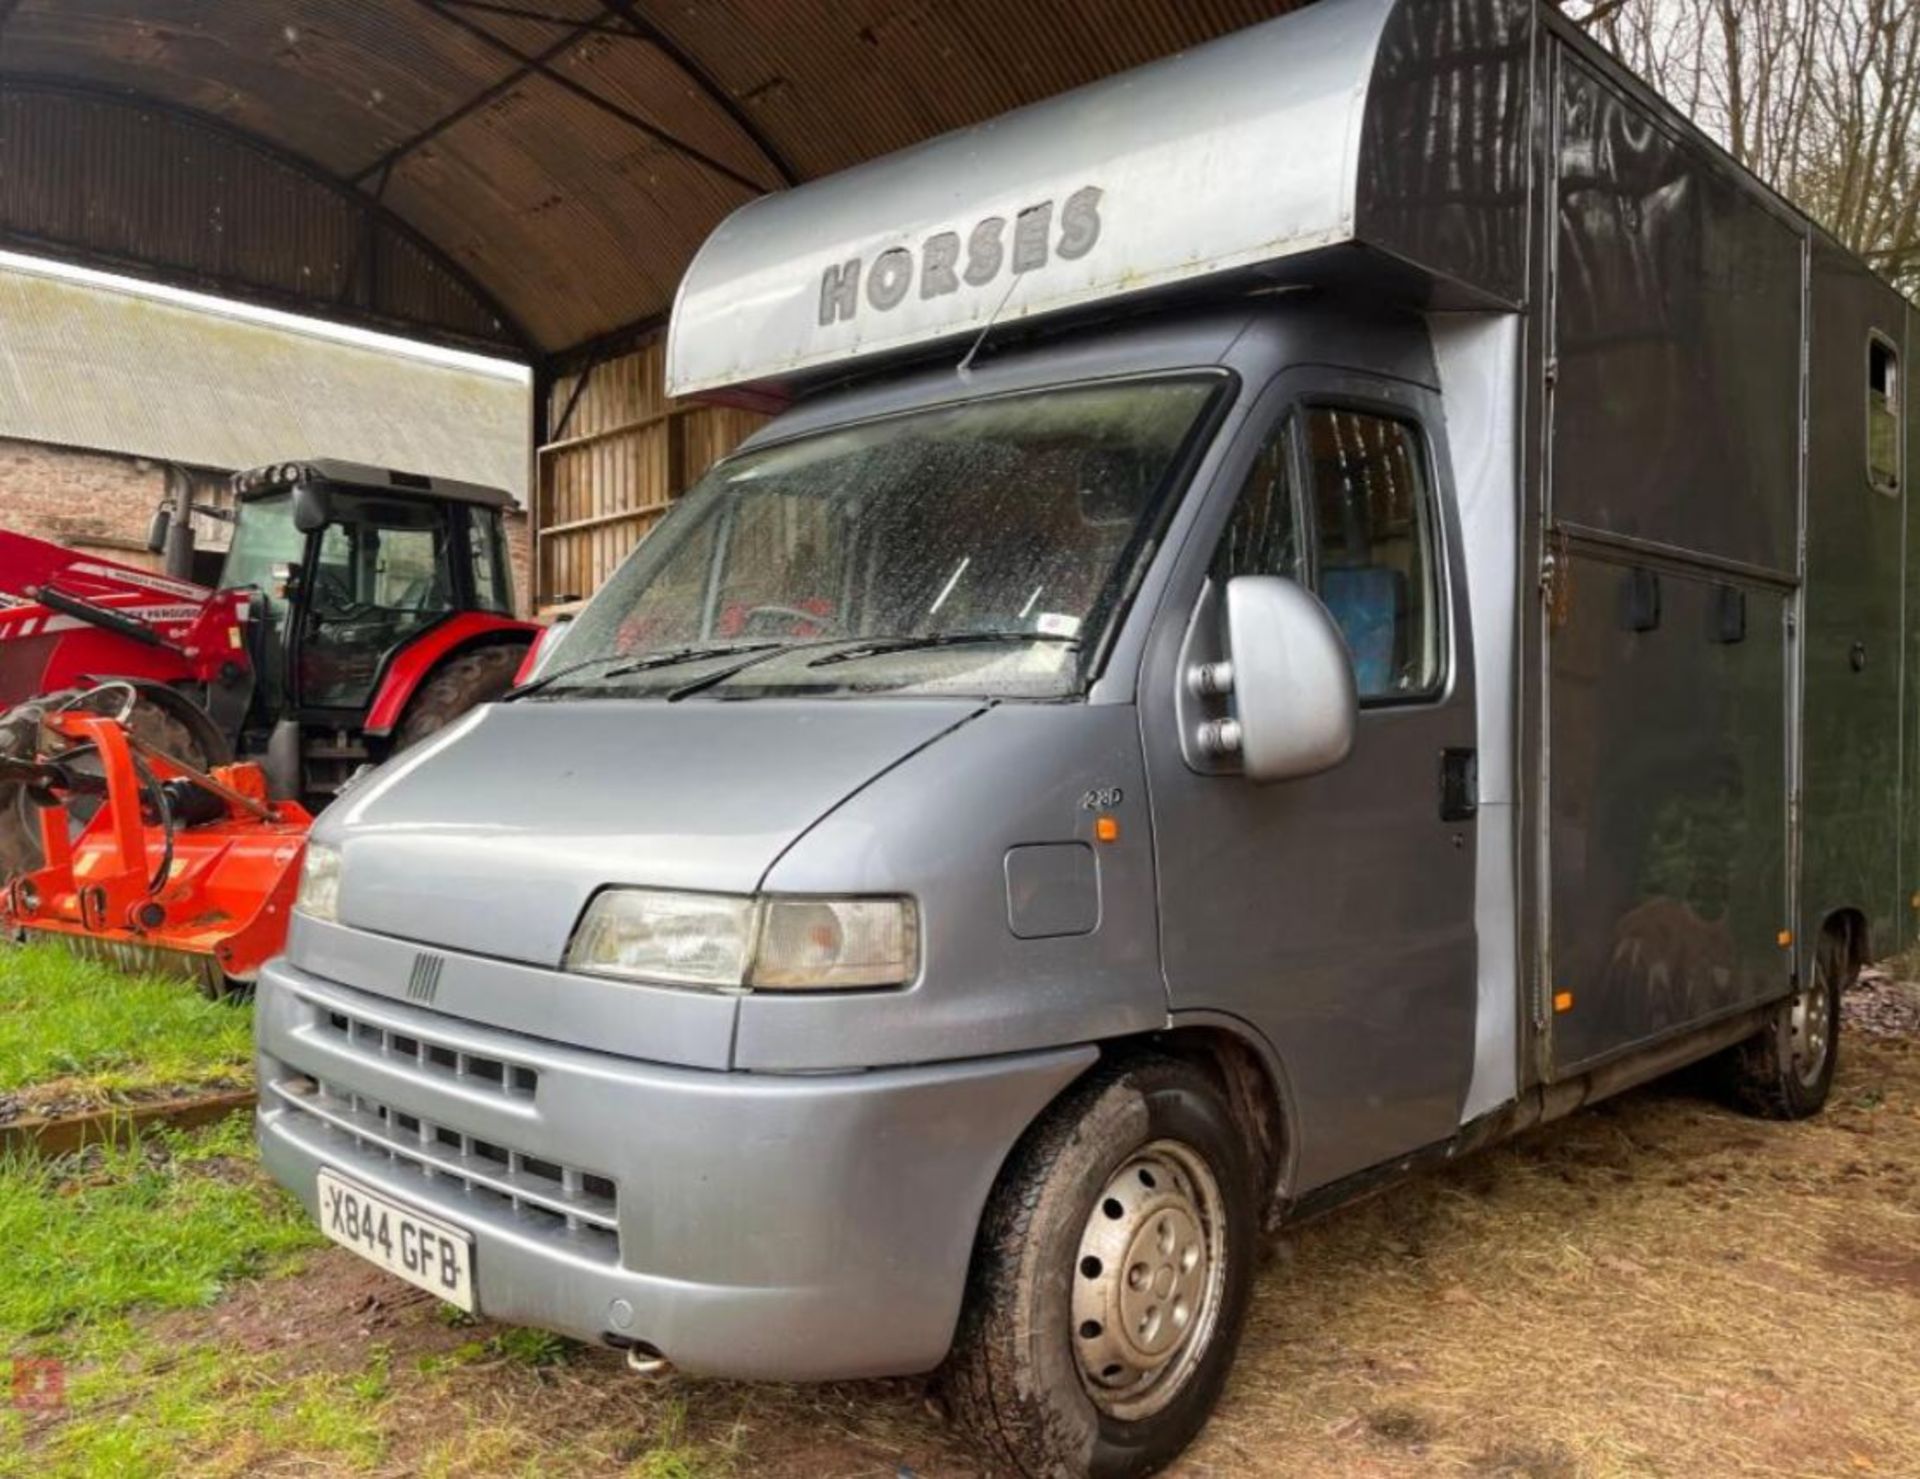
x=1333 y=913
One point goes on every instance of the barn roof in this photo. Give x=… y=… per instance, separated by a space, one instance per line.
x=107 y=369
x=527 y=175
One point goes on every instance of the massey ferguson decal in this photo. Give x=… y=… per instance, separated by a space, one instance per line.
x=945 y=261
x=132 y=575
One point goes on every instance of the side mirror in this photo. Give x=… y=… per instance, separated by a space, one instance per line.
x=1292 y=682
x=157 y=529
x=312 y=508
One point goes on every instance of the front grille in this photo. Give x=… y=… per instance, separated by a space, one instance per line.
x=475 y=1070
x=563 y=1202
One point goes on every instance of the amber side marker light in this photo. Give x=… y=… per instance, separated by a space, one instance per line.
x=1563 y=1001
x=1785 y=937
x=1107 y=829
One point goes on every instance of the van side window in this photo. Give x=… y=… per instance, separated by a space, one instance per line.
x=1262 y=536
x=1883 y=415
x=1376 y=566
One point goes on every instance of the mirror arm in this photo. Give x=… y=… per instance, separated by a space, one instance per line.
x=1220 y=737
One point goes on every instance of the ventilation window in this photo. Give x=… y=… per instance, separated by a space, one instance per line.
x=1883 y=415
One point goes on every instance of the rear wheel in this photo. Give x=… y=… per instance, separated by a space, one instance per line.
x=149 y=723
x=1785 y=1070
x=1111 y=1278
x=459 y=684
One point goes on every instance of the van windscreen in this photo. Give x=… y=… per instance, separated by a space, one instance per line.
x=973 y=548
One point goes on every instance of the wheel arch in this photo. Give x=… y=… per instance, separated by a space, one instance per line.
x=1850 y=927
x=413 y=666
x=1251 y=1077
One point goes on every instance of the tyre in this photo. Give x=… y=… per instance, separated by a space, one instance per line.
x=20 y=818
x=1110 y=1279
x=461 y=683
x=1785 y=1071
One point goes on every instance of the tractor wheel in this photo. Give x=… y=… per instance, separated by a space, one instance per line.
x=20 y=818
x=464 y=682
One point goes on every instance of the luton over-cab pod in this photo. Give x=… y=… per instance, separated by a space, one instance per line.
x=1279 y=153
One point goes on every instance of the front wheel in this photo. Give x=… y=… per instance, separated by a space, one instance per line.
x=1111 y=1279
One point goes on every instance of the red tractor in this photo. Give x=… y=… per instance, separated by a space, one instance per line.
x=354 y=612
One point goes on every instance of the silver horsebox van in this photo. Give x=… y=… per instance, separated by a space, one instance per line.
x=1308 y=607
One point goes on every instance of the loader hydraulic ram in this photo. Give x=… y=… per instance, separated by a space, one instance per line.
x=149 y=863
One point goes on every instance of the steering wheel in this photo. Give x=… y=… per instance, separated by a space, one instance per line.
x=825 y=623
x=332 y=596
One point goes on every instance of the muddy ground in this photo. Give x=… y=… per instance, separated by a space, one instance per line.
x=1657 y=1286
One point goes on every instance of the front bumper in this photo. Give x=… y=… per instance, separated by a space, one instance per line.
x=791 y=1228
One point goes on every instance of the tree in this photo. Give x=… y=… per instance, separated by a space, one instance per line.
x=1820 y=98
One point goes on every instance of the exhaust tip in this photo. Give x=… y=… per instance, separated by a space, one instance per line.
x=644 y=1360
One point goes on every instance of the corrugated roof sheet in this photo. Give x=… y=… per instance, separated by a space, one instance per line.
x=118 y=371
x=573 y=192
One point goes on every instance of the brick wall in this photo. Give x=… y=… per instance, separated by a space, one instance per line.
x=104 y=502
x=88 y=499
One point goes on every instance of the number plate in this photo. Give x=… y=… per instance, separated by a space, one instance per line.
x=420 y=1249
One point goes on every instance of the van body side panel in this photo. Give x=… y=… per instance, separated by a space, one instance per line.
x=1851 y=672
x=1676 y=318
x=1907 y=883
x=1668 y=805
x=1478 y=356
x=1671 y=539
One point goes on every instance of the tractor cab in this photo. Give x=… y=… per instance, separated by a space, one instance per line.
x=348 y=566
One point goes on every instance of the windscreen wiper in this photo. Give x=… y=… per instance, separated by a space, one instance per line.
x=633 y=665
x=879 y=646
x=714 y=679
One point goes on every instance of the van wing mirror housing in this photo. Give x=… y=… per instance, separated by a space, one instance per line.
x=157 y=529
x=312 y=508
x=1294 y=703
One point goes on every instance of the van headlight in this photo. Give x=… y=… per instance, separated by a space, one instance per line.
x=319 y=894
x=729 y=942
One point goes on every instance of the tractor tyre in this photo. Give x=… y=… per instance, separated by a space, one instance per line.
x=461 y=683
x=152 y=725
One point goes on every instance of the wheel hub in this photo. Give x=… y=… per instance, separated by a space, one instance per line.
x=1147 y=1279
x=1809 y=1025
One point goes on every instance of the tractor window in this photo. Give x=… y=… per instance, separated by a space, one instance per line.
x=492 y=574
x=263 y=537
x=383 y=574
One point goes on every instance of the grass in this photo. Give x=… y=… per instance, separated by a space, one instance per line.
x=94 y=1247
x=82 y=1032
x=148 y=1409
x=160 y=1225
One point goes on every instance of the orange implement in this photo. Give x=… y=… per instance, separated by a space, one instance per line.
x=177 y=870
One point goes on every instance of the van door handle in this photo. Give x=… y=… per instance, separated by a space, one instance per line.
x=1459 y=785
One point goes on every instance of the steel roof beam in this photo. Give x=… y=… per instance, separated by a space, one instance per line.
x=534 y=63
x=527 y=67
x=596 y=27
x=647 y=31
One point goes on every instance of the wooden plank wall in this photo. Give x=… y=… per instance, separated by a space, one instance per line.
x=623 y=454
